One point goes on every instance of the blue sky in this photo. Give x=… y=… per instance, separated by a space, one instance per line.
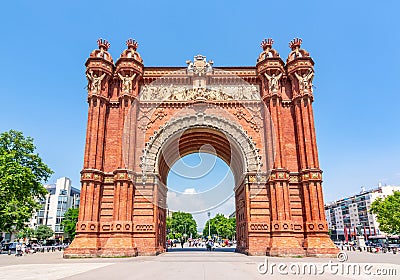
x=355 y=45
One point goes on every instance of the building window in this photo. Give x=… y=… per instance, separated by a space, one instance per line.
x=58 y=228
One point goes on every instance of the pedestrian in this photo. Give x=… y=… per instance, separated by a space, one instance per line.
x=18 y=250
x=182 y=242
x=209 y=244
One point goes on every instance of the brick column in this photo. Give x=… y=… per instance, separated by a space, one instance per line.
x=283 y=241
x=128 y=72
x=272 y=73
x=99 y=70
x=300 y=70
x=242 y=218
x=317 y=241
x=120 y=240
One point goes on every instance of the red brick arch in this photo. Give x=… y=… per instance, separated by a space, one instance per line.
x=258 y=119
x=188 y=134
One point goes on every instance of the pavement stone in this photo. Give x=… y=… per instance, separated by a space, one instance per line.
x=178 y=264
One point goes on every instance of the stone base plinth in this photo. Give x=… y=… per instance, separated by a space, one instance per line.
x=285 y=246
x=151 y=251
x=118 y=252
x=119 y=245
x=146 y=244
x=242 y=250
x=70 y=253
x=88 y=246
x=257 y=244
x=83 y=246
x=320 y=246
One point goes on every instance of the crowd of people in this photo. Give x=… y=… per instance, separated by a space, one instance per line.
x=209 y=244
x=25 y=247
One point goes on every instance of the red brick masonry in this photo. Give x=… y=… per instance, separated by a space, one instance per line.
x=279 y=213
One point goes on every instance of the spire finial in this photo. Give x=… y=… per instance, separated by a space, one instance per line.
x=295 y=43
x=267 y=43
x=132 y=44
x=103 y=44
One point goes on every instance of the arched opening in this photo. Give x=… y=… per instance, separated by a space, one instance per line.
x=185 y=134
x=205 y=140
x=200 y=183
x=201 y=167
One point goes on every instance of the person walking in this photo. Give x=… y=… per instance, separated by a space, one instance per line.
x=182 y=242
x=18 y=250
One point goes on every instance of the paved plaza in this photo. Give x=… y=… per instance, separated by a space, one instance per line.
x=186 y=263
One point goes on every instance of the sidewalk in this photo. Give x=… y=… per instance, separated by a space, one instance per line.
x=183 y=264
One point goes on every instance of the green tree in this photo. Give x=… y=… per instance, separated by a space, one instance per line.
x=43 y=232
x=22 y=172
x=388 y=213
x=181 y=223
x=26 y=232
x=69 y=222
x=168 y=223
x=221 y=226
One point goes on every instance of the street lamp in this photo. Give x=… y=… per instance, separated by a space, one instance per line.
x=209 y=225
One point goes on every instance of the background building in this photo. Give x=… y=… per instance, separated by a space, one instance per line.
x=344 y=215
x=61 y=196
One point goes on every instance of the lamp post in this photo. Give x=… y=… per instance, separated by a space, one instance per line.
x=209 y=224
x=337 y=234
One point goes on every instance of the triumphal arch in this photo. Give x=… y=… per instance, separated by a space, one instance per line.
x=258 y=119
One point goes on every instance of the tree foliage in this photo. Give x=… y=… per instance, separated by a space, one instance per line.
x=22 y=172
x=388 y=213
x=221 y=226
x=181 y=223
x=43 y=232
x=69 y=222
x=26 y=232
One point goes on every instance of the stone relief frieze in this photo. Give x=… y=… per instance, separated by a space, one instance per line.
x=188 y=93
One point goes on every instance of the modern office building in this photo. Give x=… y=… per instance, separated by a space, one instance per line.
x=61 y=196
x=345 y=215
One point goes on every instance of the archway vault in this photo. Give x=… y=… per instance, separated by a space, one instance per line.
x=266 y=110
x=189 y=134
